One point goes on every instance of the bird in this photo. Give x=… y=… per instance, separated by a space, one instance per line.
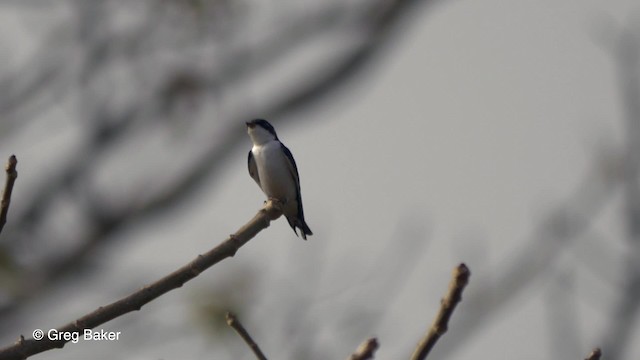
x=273 y=168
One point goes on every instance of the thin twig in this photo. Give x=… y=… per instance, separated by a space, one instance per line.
x=12 y=174
x=232 y=320
x=595 y=354
x=25 y=348
x=365 y=350
x=454 y=295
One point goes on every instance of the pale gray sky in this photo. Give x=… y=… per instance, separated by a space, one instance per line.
x=479 y=121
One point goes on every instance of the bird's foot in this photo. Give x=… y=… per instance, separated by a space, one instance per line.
x=277 y=203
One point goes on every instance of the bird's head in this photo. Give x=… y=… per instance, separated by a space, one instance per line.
x=261 y=131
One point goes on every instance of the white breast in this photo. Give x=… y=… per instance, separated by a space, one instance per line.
x=275 y=177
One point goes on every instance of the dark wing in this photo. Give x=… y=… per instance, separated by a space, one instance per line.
x=253 y=169
x=299 y=220
x=293 y=168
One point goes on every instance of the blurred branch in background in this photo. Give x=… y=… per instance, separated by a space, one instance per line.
x=564 y=331
x=124 y=74
x=624 y=314
x=164 y=83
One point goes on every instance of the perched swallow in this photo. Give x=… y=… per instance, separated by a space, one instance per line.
x=273 y=168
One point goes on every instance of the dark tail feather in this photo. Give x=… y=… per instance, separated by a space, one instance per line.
x=302 y=225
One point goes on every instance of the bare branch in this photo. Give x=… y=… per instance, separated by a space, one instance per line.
x=365 y=350
x=595 y=354
x=12 y=175
x=454 y=295
x=233 y=321
x=24 y=348
x=625 y=310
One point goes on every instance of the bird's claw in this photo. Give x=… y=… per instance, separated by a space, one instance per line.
x=277 y=203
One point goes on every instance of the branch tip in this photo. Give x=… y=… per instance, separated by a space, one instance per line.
x=12 y=174
x=234 y=323
x=11 y=164
x=462 y=273
x=595 y=354
x=459 y=281
x=366 y=350
x=230 y=318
